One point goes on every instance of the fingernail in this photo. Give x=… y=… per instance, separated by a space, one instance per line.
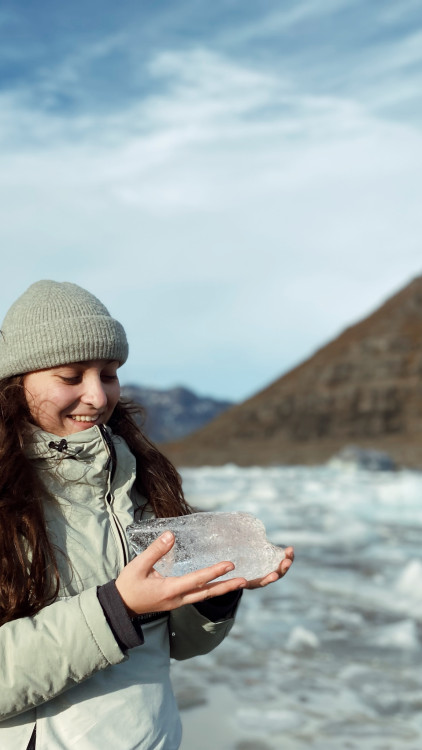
x=229 y=568
x=167 y=537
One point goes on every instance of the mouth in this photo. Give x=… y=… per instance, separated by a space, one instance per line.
x=84 y=418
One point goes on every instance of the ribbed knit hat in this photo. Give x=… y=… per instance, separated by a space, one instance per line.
x=55 y=323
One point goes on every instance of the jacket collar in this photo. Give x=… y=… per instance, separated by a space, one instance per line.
x=84 y=444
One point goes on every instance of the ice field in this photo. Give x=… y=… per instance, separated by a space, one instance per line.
x=329 y=657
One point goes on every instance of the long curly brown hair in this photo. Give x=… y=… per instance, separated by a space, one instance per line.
x=29 y=577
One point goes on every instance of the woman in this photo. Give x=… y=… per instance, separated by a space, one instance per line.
x=87 y=632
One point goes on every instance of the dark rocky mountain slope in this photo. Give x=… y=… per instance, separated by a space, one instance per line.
x=363 y=388
x=171 y=414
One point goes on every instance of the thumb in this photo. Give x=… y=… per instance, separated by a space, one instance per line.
x=156 y=550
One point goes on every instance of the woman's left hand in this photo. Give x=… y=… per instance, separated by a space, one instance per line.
x=276 y=574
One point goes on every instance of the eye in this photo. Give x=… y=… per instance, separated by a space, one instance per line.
x=69 y=375
x=70 y=380
x=108 y=377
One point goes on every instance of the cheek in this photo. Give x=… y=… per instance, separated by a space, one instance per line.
x=52 y=401
x=40 y=408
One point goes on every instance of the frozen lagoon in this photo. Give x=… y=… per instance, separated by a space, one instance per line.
x=329 y=657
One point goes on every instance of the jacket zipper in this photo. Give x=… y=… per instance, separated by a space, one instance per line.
x=110 y=468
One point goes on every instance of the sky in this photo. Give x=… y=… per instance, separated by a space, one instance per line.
x=238 y=181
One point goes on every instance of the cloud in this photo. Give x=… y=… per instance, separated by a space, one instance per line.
x=286 y=19
x=231 y=216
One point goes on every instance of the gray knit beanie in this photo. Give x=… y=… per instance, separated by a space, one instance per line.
x=55 y=323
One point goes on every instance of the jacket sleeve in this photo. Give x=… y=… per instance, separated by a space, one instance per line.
x=44 y=655
x=192 y=633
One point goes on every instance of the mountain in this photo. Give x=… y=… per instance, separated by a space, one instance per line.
x=362 y=388
x=172 y=414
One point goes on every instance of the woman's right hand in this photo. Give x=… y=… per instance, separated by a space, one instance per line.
x=144 y=590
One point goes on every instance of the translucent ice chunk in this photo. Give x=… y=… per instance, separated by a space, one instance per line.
x=203 y=539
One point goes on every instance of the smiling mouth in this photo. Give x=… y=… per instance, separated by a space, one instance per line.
x=82 y=418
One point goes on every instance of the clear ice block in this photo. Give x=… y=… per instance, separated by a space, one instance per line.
x=203 y=539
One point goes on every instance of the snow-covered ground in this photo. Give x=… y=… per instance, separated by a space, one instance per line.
x=329 y=657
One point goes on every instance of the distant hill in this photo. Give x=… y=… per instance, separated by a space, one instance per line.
x=363 y=388
x=172 y=414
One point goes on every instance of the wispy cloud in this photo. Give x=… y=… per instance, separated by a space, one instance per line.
x=275 y=198
x=221 y=140
x=285 y=19
x=403 y=54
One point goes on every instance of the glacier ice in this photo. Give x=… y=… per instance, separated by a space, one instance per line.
x=202 y=539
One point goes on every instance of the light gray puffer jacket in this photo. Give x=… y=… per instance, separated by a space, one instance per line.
x=63 y=669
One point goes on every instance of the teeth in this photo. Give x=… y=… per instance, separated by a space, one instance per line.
x=81 y=418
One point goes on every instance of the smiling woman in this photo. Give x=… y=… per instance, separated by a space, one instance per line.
x=112 y=622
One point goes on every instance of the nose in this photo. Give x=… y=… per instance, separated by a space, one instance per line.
x=94 y=392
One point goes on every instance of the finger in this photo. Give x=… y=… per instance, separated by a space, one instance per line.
x=284 y=567
x=260 y=582
x=200 y=578
x=214 y=589
x=156 y=550
x=289 y=553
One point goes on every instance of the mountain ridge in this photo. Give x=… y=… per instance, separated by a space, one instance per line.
x=364 y=386
x=170 y=414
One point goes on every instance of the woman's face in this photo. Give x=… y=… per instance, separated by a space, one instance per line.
x=72 y=398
